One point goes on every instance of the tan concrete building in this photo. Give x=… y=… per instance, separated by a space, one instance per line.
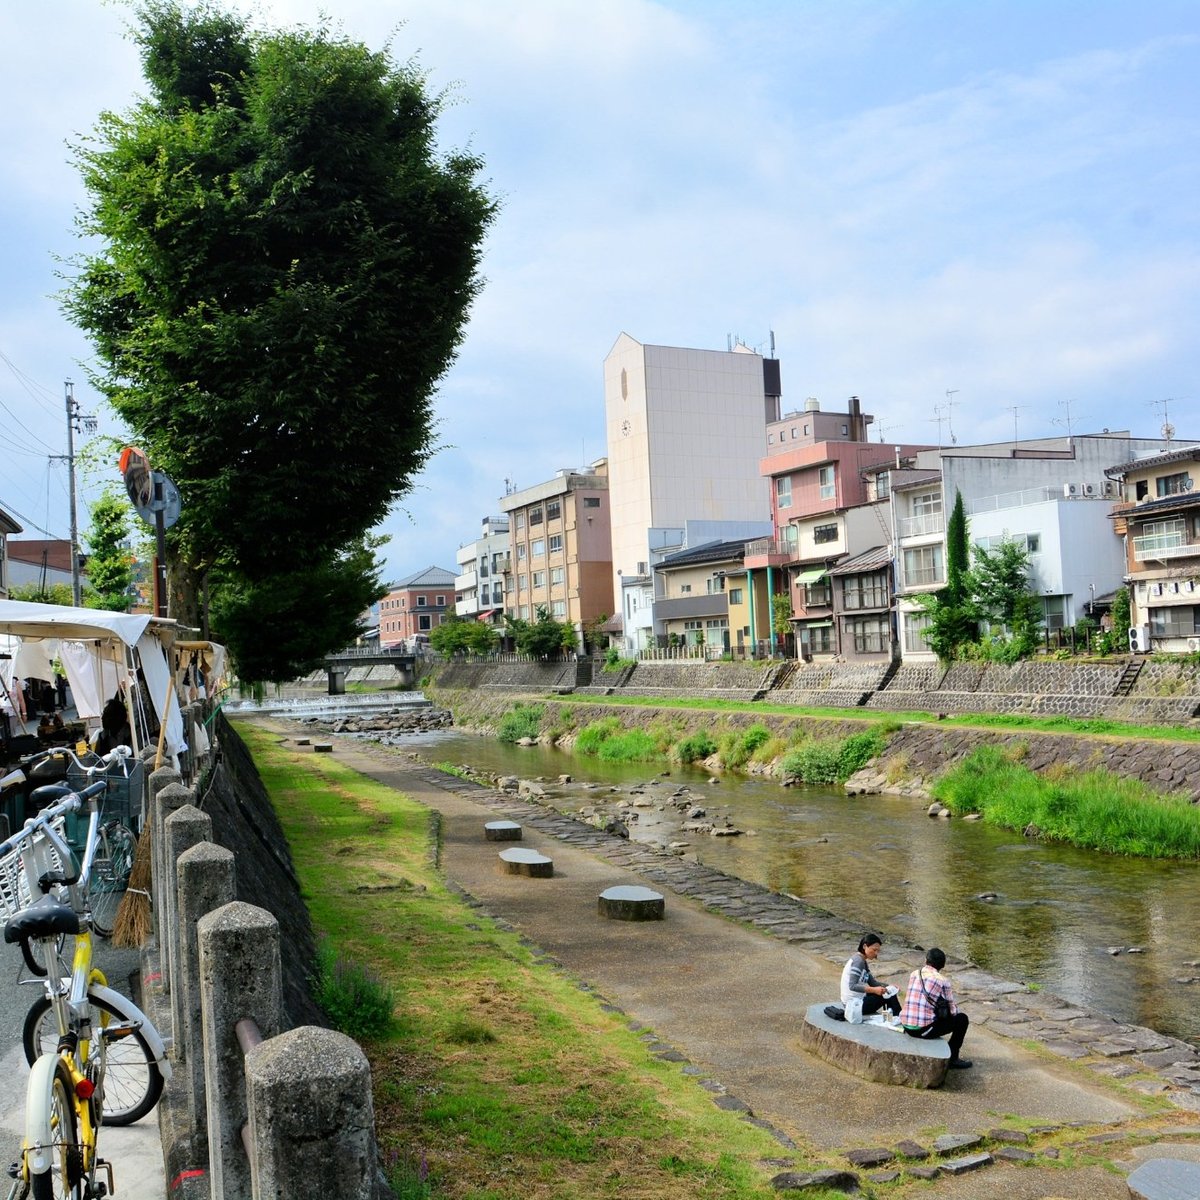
x=560 y=548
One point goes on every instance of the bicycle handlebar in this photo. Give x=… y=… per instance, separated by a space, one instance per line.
x=121 y=754
x=69 y=804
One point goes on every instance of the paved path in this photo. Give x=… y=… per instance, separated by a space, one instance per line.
x=726 y=996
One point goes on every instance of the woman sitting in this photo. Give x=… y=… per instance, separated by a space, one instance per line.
x=114 y=727
x=857 y=980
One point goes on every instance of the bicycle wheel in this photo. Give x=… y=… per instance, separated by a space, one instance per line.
x=132 y=1080
x=110 y=875
x=62 y=1181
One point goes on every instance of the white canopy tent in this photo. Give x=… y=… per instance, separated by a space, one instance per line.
x=101 y=653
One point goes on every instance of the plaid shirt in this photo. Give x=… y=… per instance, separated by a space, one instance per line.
x=918 y=1008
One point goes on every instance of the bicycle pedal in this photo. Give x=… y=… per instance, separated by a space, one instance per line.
x=14 y=1169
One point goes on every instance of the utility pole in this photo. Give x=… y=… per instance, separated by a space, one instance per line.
x=77 y=422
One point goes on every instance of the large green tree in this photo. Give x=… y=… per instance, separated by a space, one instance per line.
x=284 y=271
x=110 y=561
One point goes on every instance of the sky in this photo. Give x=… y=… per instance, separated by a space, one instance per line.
x=979 y=217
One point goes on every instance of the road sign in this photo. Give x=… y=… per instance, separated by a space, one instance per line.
x=139 y=486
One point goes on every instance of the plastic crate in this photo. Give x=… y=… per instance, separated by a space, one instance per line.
x=123 y=800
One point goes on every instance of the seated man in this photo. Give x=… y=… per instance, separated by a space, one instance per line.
x=926 y=986
x=114 y=728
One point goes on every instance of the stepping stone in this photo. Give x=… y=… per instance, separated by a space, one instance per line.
x=300 y=741
x=1165 y=1179
x=502 y=831
x=631 y=903
x=972 y=1162
x=519 y=861
x=322 y=747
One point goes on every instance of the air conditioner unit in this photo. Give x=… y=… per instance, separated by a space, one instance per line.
x=1089 y=489
x=1193 y=645
x=1070 y=489
x=1139 y=639
x=1112 y=488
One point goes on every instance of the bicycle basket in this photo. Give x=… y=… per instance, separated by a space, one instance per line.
x=14 y=887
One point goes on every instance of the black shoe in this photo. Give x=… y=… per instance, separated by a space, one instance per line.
x=961 y=1064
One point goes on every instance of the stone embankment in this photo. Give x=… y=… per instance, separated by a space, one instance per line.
x=379 y=725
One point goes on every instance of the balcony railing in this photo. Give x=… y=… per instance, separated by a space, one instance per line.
x=762 y=547
x=1160 y=546
x=916 y=526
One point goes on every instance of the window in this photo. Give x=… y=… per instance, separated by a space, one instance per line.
x=845 y=430
x=820 y=639
x=508 y=584
x=539 y=579
x=1032 y=542
x=1179 y=621
x=825 y=477
x=770 y=439
x=440 y=601
x=520 y=520
x=916 y=631
x=522 y=582
x=818 y=595
x=825 y=533
x=482 y=568
x=425 y=622
x=870 y=634
x=524 y=612
x=923 y=566
x=498 y=593
x=591 y=502
x=553 y=510
x=535 y=516
x=927 y=504
x=555 y=543
x=864 y=591
x=783 y=491
x=883 y=485
x=556 y=576
x=793 y=433
x=537 y=548
x=421 y=601
x=1054 y=608
x=521 y=551
x=558 y=608
x=1173 y=485
x=685 y=589
x=715 y=584
x=735 y=595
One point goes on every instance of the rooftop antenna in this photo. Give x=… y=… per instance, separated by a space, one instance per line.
x=1016 y=408
x=950 y=394
x=1065 y=419
x=1168 y=430
x=885 y=429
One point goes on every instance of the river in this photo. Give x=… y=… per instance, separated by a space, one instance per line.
x=1053 y=916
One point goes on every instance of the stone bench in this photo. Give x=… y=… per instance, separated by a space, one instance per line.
x=1165 y=1179
x=875 y=1052
x=630 y=903
x=519 y=861
x=322 y=747
x=502 y=831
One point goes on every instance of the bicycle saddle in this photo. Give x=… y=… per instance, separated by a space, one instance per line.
x=45 y=917
x=47 y=794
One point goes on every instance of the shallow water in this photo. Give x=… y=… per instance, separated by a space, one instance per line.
x=879 y=860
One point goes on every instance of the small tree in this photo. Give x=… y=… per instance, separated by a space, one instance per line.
x=1121 y=617
x=1001 y=589
x=34 y=593
x=110 y=563
x=458 y=636
x=781 y=614
x=542 y=637
x=952 y=614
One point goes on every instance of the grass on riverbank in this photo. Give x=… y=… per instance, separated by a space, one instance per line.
x=1096 y=809
x=500 y=1077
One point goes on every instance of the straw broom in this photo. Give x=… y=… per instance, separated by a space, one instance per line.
x=133 y=924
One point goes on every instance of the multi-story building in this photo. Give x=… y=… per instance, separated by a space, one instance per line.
x=415 y=606
x=560 y=555
x=686 y=429
x=479 y=584
x=829 y=491
x=1054 y=495
x=1160 y=522
x=700 y=592
x=861 y=591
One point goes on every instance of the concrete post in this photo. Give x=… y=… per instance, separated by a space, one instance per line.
x=206 y=883
x=240 y=977
x=184 y=828
x=312 y=1123
x=173 y=797
x=156 y=781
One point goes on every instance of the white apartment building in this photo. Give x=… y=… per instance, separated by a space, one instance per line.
x=1050 y=493
x=686 y=430
x=479 y=584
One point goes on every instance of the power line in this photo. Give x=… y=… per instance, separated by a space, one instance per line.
x=34 y=389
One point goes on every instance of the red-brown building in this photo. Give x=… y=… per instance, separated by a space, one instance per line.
x=415 y=606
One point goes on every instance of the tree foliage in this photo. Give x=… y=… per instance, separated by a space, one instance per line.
x=110 y=563
x=952 y=613
x=542 y=637
x=284 y=270
x=457 y=636
x=34 y=593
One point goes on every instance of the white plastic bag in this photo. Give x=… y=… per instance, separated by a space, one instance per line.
x=854 y=1013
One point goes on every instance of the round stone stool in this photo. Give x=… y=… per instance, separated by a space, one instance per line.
x=629 y=903
x=502 y=831
x=519 y=861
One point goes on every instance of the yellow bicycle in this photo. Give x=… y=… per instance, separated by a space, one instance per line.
x=96 y=1057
